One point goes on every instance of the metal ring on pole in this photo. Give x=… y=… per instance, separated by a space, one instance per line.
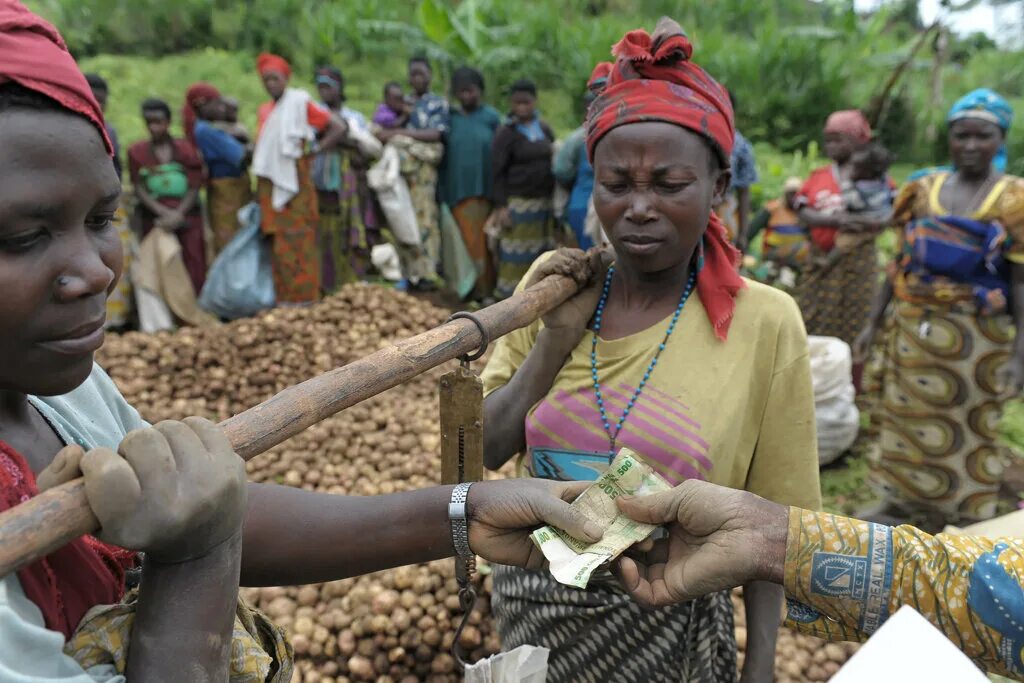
x=485 y=336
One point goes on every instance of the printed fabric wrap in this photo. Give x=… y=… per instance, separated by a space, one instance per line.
x=260 y=651
x=845 y=577
x=966 y=250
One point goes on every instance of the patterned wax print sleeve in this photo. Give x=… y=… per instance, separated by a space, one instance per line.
x=431 y=113
x=1011 y=210
x=845 y=577
x=904 y=209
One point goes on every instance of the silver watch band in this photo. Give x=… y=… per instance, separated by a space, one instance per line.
x=459 y=519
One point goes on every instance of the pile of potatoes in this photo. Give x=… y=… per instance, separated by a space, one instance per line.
x=798 y=658
x=393 y=626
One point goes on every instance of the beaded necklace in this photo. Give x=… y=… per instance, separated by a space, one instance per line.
x=613 y=436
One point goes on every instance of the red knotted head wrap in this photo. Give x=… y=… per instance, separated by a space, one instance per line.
x=653 y=79
x=196 y=96
x=849 y=122
x=270 y=62
x=33 y=54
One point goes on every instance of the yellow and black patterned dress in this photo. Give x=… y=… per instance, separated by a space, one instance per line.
x=939 y=406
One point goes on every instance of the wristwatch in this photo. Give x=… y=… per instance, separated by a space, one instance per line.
x=459 y=519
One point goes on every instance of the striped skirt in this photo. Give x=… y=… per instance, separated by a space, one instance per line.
x=530 y=234
x=600 y=635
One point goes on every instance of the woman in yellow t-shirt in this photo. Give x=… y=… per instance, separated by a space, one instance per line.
x=715 y=386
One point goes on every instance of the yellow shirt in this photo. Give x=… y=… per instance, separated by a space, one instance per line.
x=738 y=413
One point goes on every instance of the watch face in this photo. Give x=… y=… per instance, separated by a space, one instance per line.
x=563 y=464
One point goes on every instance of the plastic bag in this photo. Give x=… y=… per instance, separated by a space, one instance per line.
x=837 y=416
x=384 y=258
x=525 y=664
x=385 y=178
x=831 y=366
x=163 y=289
x=241 y=281
x=459 y=269
x=838 y=421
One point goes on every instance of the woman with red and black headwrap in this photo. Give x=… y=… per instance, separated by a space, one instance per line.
x=840 y=279
x=667 y=352
x=228 y=186
x=175 y=491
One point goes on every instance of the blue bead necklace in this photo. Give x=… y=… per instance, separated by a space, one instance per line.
x=614 y=435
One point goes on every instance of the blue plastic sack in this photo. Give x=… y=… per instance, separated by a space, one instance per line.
x=241 y=282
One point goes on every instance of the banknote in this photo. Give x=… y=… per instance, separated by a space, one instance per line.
x=571 y=560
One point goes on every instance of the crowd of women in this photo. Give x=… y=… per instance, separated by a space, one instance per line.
x=937 y=326
x=665 y=349
x=491 y=177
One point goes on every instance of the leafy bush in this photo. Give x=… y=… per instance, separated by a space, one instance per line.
x=790 y=62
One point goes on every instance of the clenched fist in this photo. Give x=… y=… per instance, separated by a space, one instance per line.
x=174 y=491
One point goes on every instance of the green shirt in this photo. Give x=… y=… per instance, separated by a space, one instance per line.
x=466 y=169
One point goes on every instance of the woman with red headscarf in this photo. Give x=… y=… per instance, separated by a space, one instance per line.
x=228 y=186
x=668 y=352
x=175 y=491
x=290 y=125
x=840 y=278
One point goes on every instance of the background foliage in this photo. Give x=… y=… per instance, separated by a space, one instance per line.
x=789 y=62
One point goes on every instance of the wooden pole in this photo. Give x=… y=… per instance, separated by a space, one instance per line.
x=58 y=516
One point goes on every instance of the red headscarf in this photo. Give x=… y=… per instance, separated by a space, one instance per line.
x=196 y=96
x=849 y=122
x=268 y=62
x=34 y=55
x=653 y=79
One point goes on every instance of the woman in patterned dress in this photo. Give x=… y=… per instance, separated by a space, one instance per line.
x=837 y=289
x=285 y=189
x=524 y=185
x=952 y=358
x=349 y=227
x=724 y=394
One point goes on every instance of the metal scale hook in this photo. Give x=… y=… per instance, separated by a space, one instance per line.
x=462 y=456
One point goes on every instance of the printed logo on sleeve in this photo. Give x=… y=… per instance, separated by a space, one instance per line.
x=839 y=576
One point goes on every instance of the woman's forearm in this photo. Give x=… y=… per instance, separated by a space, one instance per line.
x=339 y=536
x=421 y=134
x=810 y=217
x=185 y=617
x=763 y=604
x=882 y=300
x=334 y=134
x=149 y=201
x=1017 y=295
x=505 y=410
x=188 y=202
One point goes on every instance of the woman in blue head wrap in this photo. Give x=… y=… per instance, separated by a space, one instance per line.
x=951 y=361
x=987 y=106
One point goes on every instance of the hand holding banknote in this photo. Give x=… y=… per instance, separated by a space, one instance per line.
x=718 y=538
x=572 y=560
